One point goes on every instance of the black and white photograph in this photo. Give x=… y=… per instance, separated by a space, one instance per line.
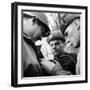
x=49 y=44
x=50 y=47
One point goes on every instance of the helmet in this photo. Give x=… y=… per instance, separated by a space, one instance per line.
x=43 y=18
x=66 y=20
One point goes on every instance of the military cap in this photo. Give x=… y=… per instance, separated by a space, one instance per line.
x=43 y=18
x=66 y=20
x=56 y=35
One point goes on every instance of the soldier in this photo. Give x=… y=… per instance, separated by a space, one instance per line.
x=35 y=26
x=62 y=63
x=72 y=37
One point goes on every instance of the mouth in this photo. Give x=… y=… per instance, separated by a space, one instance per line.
x=54 y=51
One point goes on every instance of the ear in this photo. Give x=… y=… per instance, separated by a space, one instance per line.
x=77 y=23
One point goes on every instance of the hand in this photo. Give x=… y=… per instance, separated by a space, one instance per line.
x=47 y=65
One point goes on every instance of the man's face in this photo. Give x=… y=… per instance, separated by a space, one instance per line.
x=56 y=47
x=72 y=34
x=37 y=32
x=32 y=29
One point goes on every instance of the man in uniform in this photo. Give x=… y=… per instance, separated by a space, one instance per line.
x=62 y=63
x=35 y=26
x=72 y=37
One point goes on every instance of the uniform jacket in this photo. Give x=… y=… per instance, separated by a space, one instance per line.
x=31 y=65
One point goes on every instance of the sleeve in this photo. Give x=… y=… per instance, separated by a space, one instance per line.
x=68 y=63
x=31 y=65
x=32 y=70
x=57 y=70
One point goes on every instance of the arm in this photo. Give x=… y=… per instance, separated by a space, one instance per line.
x=31 y=65
x=57 y=70
x=54 y=67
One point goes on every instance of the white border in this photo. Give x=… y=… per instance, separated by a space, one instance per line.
x=52 y=78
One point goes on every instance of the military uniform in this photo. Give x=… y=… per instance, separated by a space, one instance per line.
x=30 y=58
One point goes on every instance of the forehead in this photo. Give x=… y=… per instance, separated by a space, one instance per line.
x=55 y=41
x=70 y=29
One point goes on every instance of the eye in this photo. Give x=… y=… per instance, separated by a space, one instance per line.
x=51 y=45
x=57 y=43
x=66 y=34
x=68 y=41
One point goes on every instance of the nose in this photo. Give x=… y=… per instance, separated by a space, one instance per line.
x=68 y=43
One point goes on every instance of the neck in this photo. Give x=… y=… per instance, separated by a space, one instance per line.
x=31 y=36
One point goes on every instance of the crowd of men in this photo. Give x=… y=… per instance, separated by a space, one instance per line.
x=64 y=47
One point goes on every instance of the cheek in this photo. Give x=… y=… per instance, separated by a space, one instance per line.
x=52 y=49
x=75 y=39
x=61 y=48
x=37 y=31
x=75 y=42
x=27 y=26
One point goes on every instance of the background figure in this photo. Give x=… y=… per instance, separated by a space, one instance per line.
x=62 y=63
x=35 y=26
